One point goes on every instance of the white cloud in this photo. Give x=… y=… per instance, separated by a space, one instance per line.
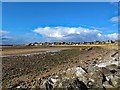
x=113 y=36
x=8 y=38
x=73 y=34
x=3 y=33
x=58 y=32
x=115 y=19
x=99 y=34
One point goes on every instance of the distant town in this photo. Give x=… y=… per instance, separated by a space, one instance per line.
x=73 y=43
x=115 y=42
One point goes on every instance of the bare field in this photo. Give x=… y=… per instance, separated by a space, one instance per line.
x=26 y=50
x=12 y=50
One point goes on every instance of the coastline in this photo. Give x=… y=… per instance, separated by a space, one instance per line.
x=43 y=66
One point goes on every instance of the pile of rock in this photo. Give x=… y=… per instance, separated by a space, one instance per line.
x=103 y=76
x=78 y=78
x=99 y=76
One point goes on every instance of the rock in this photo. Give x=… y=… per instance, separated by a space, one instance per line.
x=110 y=82
x=94 y=62
x=100 y=58
x=115 y=81
x=112 y=66
x=84 y=69
x=18 y=87
x=107 y=85
x=116 y=59
x=39 y=81
x=83 y=49
x=114 y=54
x=78 y=71
x=80 y=48
x=80 y=84
x=113 y=71
x=104 y=78
x=75 y=84
x=89 y=48
x=49 y=85
x=90 y=84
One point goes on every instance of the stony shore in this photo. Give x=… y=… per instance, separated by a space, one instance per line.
x=79 y=68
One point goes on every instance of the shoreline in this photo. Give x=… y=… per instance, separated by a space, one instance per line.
x=29 y=69
x=30 y=54
x=12 y=51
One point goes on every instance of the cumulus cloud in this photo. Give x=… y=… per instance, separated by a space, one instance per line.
x=113 y=36
x=9 y=38
x=115 y=19
x=51 y=34
x=74 y=34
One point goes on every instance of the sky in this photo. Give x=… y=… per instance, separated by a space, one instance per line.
x=25 y=22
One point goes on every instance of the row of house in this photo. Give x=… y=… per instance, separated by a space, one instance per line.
x=70 y=43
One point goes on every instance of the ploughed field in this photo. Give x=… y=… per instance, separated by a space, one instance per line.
x=26 y=70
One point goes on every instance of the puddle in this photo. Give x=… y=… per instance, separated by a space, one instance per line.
x=53 y=51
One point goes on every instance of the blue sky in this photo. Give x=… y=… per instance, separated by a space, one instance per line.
x=30 y=22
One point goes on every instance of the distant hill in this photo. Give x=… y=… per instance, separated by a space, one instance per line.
x=6 y=45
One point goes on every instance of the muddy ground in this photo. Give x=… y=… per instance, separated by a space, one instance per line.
x=18 y=69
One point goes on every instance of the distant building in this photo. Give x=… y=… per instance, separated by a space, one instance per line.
x=110 y=41
x=30 y=44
